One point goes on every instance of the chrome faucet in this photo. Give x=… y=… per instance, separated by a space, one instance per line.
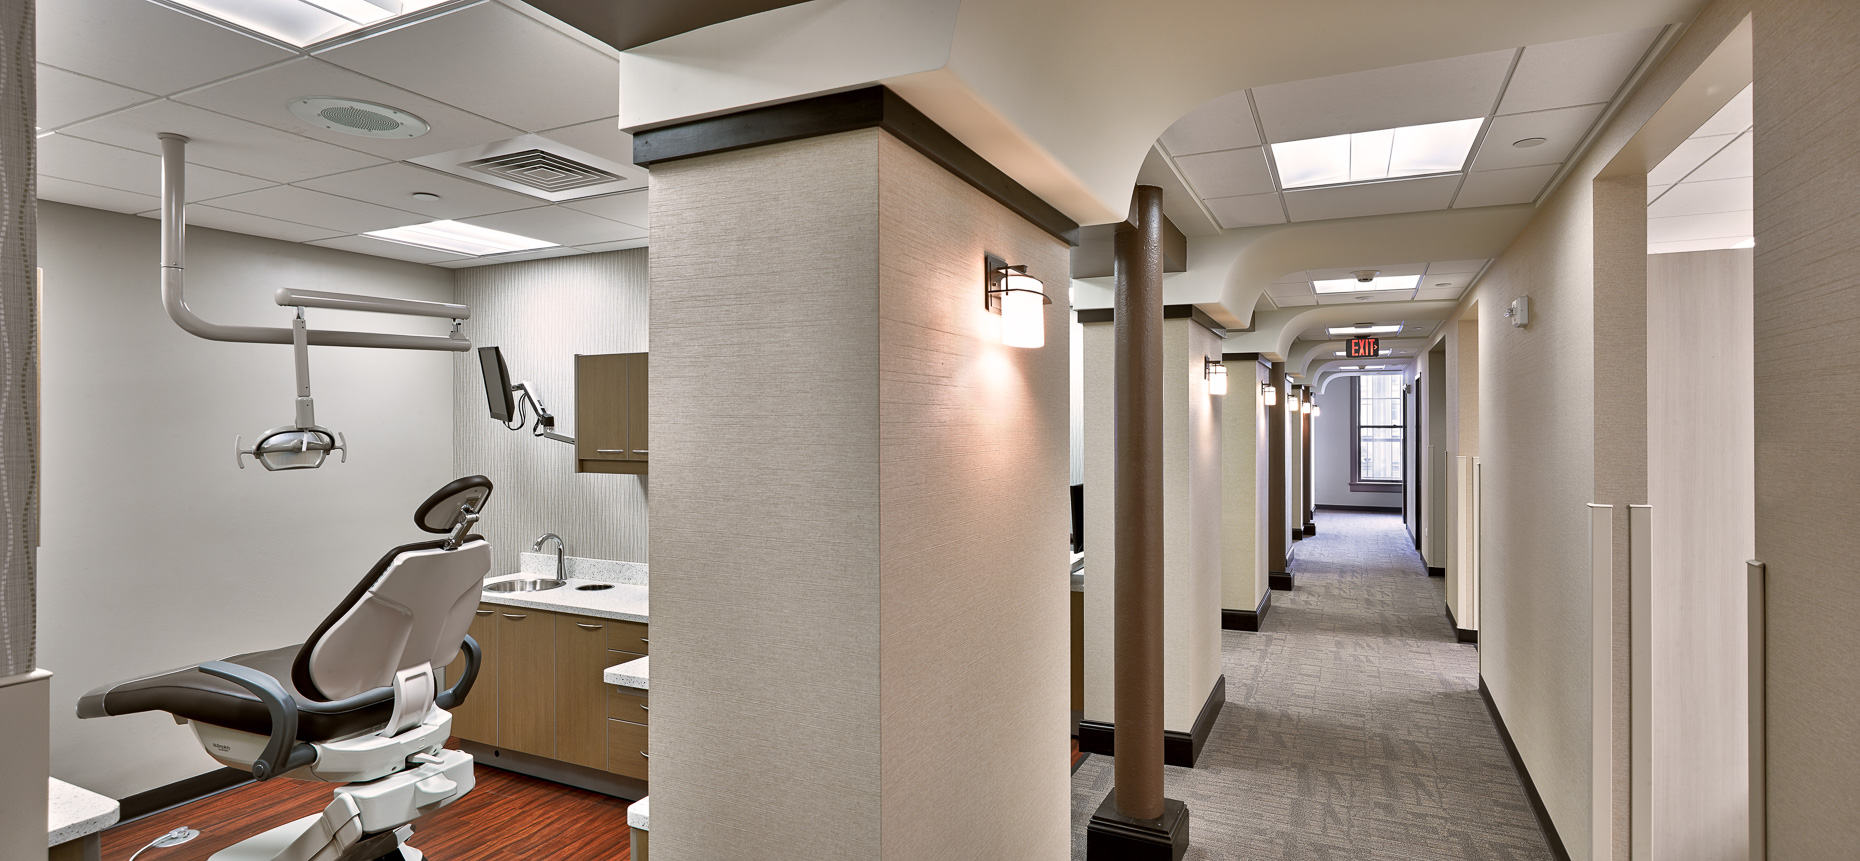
x=561 y=550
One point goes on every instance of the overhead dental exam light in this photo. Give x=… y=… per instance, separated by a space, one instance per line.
x=510 y=402
x=303 y=444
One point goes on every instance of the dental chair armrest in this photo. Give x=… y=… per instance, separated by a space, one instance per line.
x=282 y=751
x=451 y=697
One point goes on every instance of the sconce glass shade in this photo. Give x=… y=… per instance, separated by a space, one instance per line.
x=1217 y=378
x=1023 y=315
x=1305 y=407
x=1316 y=410
x=1271 y=393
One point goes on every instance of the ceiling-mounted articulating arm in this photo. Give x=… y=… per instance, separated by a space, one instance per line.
x=303 y=444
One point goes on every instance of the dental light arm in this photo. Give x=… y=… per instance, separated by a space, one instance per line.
x=304 y=444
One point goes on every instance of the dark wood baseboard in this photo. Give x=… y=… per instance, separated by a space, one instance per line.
x=1436 y=571
x=151 y=801
x=1310 y=528
x=1280 y=580
x=1554 y=840
x=1377 y=509
x=1246 y=620
x=1179 y=748
x=1463 y=635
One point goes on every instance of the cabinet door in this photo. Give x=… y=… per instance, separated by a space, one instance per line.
x=636 y=406
x=580 y=695
x=601 y=407
x=476 y=718
x=627 y=753
x=525 y=685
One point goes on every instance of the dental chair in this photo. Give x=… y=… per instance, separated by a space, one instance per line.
x=356 y=703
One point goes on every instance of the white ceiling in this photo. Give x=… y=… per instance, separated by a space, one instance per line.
x=1445 y=279
x=1554 y=91
x=1700 y=197
x=113 y=73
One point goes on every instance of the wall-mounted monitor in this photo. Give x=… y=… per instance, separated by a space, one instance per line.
x=497 y=388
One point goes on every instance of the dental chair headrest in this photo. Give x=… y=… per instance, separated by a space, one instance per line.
x=442 y=511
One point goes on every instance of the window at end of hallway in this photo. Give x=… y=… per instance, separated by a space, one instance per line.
x=1376 y=426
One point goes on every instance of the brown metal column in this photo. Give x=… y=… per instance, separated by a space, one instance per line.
x=1277 y=531
x=1138 y=450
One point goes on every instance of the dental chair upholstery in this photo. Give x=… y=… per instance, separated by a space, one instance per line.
x=357 y=702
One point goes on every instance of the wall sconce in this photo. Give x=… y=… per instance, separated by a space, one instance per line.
x=1270 y=393
x=1305 y=407
x=1316 y=410
x=1017 y=297
x=1216 y=374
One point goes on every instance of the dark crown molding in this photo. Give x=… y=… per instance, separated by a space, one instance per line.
x=867 y=108
x=1170 y=312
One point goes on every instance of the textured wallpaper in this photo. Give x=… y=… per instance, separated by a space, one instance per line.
x=19 y=370
x=542 y=313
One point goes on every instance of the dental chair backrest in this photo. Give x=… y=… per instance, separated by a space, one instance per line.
x=408 y=616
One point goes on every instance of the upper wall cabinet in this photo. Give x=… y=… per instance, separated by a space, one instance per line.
x=610 y=413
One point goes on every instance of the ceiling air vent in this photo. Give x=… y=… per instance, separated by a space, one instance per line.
x=542 y=170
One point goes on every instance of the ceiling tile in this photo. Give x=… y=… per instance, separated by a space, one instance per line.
x=1684 y=245
x=94 y=196
x=1457 y=88
x=1496 y=187
x=1426 y=293
x=317 y=209
x=263 y=97
x=1443 y=267
x=1298 y=277
x=539 y=254
x=622 y=245
x=223 y=142
x=1717 y=225
x=602 y=137
x=1247 y=211
x=1690 y=153
x=1220 y=123
x=66 y=97
x=135 y=43
x=1374 y=198
x=1731 y=162
x=394 y=184
x=1699 y=198
x=628 y=207
x=67 y=157
x=1561 y=128
x=1350 y=272
x=1293 y=301
x=1354 y=298
x=383 y=248
x=1289 y=288
x=564 y=226
x=1227 y=173
x=540 y=79
x=202 y=215
x=1447 y=281
x=1576 y=72
x=1654 y=192
x=1731 y=119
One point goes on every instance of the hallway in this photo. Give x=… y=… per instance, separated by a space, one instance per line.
x=1353 y=727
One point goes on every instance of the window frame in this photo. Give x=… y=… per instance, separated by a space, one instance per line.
x=1358 y=484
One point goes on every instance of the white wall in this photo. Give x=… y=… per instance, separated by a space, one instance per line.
x=156 y=551
x=1244 y=491
x=1331 y=453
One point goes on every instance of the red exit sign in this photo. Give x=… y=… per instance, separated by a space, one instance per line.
x=1363 y=348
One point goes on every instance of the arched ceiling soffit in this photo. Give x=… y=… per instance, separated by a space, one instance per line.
x=1067 y=96
x=1323 y=380
x=1275 y=332
x=1307 y=356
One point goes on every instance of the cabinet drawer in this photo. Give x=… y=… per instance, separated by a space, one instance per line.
x=627 y=637
x=626 y=748
x=628 y=706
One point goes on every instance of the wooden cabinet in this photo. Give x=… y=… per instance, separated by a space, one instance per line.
x=580 y=695
x=610 y=413
x=526 y=713
x=626 y=748
x=476 y=718
x=628 y=637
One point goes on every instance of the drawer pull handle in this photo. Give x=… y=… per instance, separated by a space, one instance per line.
x=644 y=640
x=639 y=451
x=645 y=754
x=516 y=615
x=587 y=626
x=610 y=451
x=486 y=612
x=645 y=708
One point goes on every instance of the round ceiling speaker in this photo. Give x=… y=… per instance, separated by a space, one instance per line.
x=356 y=117
x=1527 y=143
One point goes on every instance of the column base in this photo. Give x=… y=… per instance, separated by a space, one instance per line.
x=1310 y=528
x=1112 y=836
x=1280 y=580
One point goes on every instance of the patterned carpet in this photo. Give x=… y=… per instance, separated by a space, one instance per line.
x=1353 y=727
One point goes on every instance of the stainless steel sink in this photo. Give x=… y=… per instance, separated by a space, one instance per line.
x=537 y=585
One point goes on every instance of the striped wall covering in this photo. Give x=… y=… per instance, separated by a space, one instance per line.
x=19 y=361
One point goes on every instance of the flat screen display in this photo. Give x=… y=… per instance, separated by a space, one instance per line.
x=497 y=384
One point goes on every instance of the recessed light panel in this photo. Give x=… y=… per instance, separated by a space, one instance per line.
x=460 y=238
x=305 y=22
x=1337 y=331
x=1381 y=154
x=1380 y=282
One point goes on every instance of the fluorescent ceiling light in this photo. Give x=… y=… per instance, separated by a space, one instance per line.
x=1374 y=367
x=1363 y=330
x=1380 y=154
x=1380 y=282
x=1343 y=354
x=460 y=238
x=305 y=22
x=1350 y=368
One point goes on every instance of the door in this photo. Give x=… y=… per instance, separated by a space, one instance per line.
x=580 y=695
x=525 y=690
x=476 y=718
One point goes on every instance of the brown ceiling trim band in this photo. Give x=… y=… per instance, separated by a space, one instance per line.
x=1170 y=312
x=1092 y=257
x=1247 y=357
x=628 y=24
x=870 y=107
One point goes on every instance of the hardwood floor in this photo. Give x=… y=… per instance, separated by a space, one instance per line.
x=508 y=816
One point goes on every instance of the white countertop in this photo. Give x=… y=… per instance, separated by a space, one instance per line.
x=623 y=602
x=75 y=812
x=637 y=813
x=632 y=674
